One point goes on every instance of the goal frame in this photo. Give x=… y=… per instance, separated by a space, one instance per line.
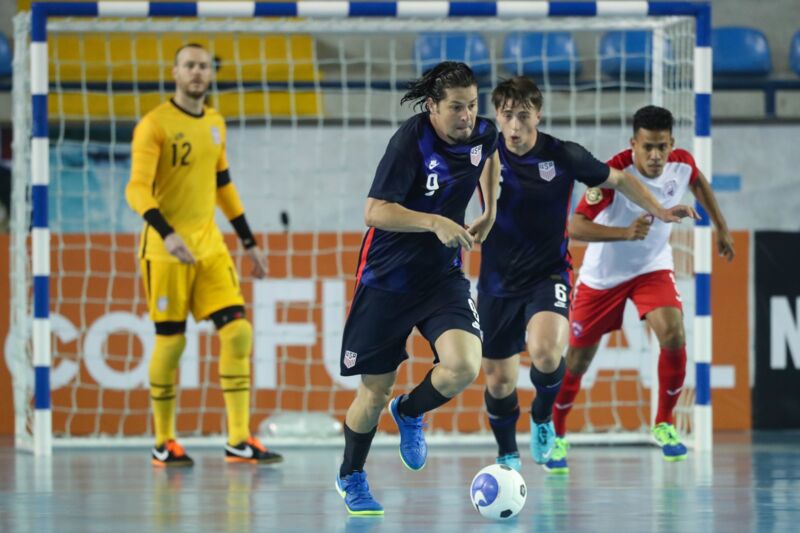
x=41 y=12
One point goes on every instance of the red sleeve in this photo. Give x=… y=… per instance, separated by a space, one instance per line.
x=622 y=160
x=591 y=204
x=679 y=155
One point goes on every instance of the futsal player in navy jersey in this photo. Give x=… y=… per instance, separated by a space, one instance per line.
x=525 y=277
x=409 y=272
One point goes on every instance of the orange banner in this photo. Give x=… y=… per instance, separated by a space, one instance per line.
x=101 y=339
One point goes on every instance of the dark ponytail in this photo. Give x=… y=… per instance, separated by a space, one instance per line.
x=445 y=75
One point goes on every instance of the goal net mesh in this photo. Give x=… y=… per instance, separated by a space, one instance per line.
x=310 y=106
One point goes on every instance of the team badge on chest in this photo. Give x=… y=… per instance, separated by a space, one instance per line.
x=547 y=170
x=475 y=155
x=670 y=187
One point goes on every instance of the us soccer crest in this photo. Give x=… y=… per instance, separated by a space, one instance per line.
x=215 y=135
x=547 y=170
x=475 y=155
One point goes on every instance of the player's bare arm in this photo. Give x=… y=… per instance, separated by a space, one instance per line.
x=490 y=181
x=582 y=228
x=631 y=187
x=702 y=190
x=391 y=216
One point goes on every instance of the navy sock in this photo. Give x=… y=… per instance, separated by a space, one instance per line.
x=356 y=449
x=422 y=399
x=547 y=386
x=503 y=416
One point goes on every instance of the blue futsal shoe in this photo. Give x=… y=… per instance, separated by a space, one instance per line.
x=511 y=460
x=357 y=498
x=543 y=438
x=671 y=446
x=413 y=448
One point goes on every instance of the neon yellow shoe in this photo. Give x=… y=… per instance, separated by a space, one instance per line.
x=557 y=464
x=667 y=437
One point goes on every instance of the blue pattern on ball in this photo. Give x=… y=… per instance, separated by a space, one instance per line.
x=484 y=490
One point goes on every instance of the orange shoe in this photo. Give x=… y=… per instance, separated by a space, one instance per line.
x=170 y=454
x=251 y=451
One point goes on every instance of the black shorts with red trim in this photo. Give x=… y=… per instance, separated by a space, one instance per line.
x=380 y=322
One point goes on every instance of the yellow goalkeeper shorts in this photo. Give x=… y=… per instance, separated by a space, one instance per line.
x=174 y=289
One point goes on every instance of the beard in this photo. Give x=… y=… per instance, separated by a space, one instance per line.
x=460 y=135
x=197 y=94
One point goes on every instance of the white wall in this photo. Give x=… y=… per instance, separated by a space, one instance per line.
x=766 y=159
x=321 y=177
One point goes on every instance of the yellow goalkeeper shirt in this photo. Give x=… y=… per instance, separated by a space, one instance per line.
x=175 y=160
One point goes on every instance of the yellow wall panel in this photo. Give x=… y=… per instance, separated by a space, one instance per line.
x=149 y=58
x=129 y=107
x=274 y=104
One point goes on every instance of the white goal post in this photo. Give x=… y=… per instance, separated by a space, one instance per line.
x=310 y=92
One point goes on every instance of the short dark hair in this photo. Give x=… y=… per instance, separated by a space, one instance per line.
x=432 y=84
x=653 y=118
x=188 y=45
x=520 y=90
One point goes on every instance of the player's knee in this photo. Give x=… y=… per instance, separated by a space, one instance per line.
x=464 y=370
x=376 y=397
x=546 y=361
x=578 y=361
x=166 y=354
x=237 y=338
x=500 y=382
x=380 y=399
x=673 y=336
x=545 y=353
x=545 y=350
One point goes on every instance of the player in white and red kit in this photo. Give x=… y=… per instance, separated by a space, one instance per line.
x=629 y=257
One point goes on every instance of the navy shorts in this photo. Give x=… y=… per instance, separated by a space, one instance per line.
x=505 y=320
x=379 y=323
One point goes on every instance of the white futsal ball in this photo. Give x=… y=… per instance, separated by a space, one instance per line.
x=498 y=492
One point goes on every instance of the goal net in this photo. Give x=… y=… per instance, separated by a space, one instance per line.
x=310 y=104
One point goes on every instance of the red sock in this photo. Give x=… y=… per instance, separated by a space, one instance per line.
x=566 y=396
x=671 y=371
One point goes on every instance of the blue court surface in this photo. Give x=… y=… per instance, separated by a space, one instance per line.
x=751 y=482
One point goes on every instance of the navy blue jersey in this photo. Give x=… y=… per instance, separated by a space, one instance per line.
x=528 y=241
x=423 y=173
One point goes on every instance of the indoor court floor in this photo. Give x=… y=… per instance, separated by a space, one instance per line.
x=750 y=483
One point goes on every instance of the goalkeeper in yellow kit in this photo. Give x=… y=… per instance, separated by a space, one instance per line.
x=179 y=173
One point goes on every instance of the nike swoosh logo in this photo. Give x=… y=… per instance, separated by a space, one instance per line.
x=247 y=453
x=674 y=391
x=161 y=456
x=563 y=405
